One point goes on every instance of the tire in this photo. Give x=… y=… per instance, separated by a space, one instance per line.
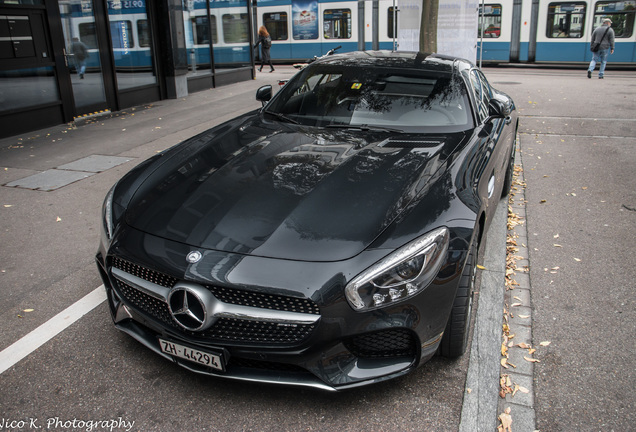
x=455 y=337
x=510 y=171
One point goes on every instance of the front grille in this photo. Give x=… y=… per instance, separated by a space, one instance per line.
x=387 y=343
x=225 y=329
x=265 y=301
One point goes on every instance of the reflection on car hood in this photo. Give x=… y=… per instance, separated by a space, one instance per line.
x=285 y=192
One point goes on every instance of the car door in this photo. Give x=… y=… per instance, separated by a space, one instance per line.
x=488 y=180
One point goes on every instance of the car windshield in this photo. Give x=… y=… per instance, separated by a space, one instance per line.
x=336 y=96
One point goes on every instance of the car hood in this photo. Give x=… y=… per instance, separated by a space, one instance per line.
x=287 y=192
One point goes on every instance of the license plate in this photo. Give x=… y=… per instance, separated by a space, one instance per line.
x=215 y=361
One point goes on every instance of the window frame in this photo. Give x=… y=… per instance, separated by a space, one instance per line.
x=552 y=15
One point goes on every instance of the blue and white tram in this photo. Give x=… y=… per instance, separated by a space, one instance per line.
x=301 y=29
x=555 y=31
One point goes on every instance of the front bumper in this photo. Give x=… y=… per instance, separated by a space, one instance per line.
x=308 y=334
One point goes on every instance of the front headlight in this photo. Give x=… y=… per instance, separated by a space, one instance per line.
x=401 y=274
x=107 y=214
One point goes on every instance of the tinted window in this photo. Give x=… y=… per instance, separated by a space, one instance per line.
x=391 y=24
x=565 y=20
x=235 y=28
x=336 y=96
x=621 y=14
x=337 y=24
x=491 y=21
x=276 y=24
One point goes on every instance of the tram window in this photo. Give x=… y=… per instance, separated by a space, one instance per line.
x=201 y=30
x=337 y=23
x=390 y=25
x=491 y=21
x=144 y=33
x=87 y=35
x=621 y=14
x=213 y=30
x=276 y=24
x=235 y=28
x=121 y=34
x=565 y=20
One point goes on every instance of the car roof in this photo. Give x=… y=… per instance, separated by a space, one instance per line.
x=399 y=59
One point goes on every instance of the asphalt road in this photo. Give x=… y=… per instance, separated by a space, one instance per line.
x=576 y=141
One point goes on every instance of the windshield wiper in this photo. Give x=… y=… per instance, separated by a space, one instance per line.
x=364 y=127
x=282 y=117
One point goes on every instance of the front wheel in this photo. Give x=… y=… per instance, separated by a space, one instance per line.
x=455 y=337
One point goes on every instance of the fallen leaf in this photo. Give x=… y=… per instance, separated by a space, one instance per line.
x=556 y=236
x=523 y=390
x=577 y=260
x=8 y=205
x=524 y=316
x=504 y=362
x=27 y=310
x=517 y=304
x=524 y=345
x=557 y=245
x=59 y=219
x=545 y=343
x=480 y=267
x=531 y=360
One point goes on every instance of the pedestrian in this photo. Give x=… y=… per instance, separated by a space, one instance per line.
x=265 y=40
x=602 y=46
x=80 y=54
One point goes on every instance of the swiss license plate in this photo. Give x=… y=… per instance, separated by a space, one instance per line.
x=204 y=358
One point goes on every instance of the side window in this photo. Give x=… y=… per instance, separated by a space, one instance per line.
x=565 y=20
x=144 y=33
x=121 y=34
x=276 y=24
x=235 y=28
x=482 y=91
x=491 y=22
x=392 y=20
x=621 y=14
x=213 y=30
x=337 y=23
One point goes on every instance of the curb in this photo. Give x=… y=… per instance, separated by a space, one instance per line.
x=518 y=306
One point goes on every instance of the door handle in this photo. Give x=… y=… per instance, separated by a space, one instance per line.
x=66 y=56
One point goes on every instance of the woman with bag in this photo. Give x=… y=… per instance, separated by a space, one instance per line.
x=265 y=40
x=602 y=46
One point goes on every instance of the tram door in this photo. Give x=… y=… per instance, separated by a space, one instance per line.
x=83 y=57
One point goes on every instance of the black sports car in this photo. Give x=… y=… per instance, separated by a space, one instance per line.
x=328 y=239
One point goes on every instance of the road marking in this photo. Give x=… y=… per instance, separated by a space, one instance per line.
x=47 y=331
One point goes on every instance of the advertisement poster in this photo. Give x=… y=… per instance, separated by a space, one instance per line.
x=456 y=27
x=305 y=19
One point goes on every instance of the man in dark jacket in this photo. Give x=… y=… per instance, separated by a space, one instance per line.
x=604 y=36
x=80 y=54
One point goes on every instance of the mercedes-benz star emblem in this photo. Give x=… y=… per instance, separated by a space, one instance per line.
x=194 y=257
x=188 y=306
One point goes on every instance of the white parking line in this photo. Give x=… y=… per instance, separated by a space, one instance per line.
x=47 y=331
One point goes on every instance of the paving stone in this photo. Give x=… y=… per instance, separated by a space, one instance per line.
x=50 y=180
x=94 y=163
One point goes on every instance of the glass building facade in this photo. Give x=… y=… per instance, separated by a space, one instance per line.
x=64 y=59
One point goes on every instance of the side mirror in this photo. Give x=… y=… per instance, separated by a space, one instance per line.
x=264 y=94
x=498 y=109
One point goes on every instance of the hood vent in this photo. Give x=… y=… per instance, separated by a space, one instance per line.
x=423 y=143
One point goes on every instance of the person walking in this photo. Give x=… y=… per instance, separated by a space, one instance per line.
x=603 y=41
x=80 y=54
x=265 y=41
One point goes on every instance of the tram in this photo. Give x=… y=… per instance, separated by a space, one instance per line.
x=515 y=31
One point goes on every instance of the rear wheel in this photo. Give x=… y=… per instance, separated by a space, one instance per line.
x=455 y=337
